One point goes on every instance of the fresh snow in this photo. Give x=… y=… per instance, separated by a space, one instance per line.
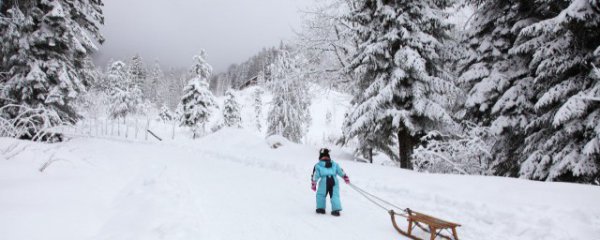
x=231 y=185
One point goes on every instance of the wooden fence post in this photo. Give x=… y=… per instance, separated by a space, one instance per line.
x=147 y=128
x=173 y=131
x=136 y=127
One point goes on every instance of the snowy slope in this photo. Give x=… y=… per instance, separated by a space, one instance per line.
x=322 y=101
x=322 y=132
x=231 y=185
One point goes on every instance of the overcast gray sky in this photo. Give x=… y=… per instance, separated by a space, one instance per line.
x=174 y=30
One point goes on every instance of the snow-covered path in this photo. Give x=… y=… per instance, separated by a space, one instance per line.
x=231 y=185
x=198 y=193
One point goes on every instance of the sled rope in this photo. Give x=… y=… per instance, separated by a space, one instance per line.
x=406 y=211
x=372 y=199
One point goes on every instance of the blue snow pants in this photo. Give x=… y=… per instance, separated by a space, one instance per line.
x=328 y=184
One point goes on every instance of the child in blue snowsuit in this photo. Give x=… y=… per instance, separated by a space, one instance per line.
x=324 y=173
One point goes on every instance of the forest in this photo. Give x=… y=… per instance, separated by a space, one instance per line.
x=514 y=90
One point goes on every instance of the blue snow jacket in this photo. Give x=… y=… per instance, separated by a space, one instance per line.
x=325 y=172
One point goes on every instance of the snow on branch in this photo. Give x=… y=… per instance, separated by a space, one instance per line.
x=596 y=75
x=467 y=151
x=29 y=122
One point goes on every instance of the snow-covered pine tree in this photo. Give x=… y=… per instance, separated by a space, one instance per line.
x=196 y=102
x=326 y=40
x=231 y=110
x=94 y=102
x=178 y=112
x=145 y=106
x=154 y=87
x=173 y=85
x=197 y=98
x=562 y=141
x=116 y=75
x=137 y=70
x=498 y=93
x=258 y=105
x=594 y=93
x=125 y=96
x=165 y=113
x=402 y=89
x=289 y=115
x=44 y=46
x=91 y=74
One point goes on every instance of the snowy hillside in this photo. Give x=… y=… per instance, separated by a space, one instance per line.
x=231 y=185
x=323 y=101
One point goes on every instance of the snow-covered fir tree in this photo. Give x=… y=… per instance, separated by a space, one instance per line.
x=154 y=87
x=231 y=110
x=594 y=93
x=125 y=102
x=258 y=105
x=197 y=100
x=402 y=89
x=487 y=67
x=289 y=115
x=91 y=74
x=498 y=95
x=174 y=81
x=178 y=112
x=527 y=72
x=116 y=75
x=44 y=47
x=326 y=40
x=562 y=140
x=124 y=94
x=165 y=113
x=137 y=70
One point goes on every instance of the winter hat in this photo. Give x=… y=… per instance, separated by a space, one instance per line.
x=324 y=152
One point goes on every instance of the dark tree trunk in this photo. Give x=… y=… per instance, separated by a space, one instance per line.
x=370 y=152
x=406 y=144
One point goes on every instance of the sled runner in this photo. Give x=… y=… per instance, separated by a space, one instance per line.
x=436 y=225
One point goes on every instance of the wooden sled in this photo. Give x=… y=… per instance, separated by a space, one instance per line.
x=436 y=225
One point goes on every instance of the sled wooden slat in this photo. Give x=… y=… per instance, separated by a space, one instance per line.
x=431 y=221
x=435 y=225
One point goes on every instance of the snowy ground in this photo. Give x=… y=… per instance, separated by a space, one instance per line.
x=231 y=185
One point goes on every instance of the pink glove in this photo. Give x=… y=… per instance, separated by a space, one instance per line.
x=313 y=186
x=346 y=179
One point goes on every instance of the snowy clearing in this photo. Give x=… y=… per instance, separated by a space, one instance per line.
x=231 y=185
